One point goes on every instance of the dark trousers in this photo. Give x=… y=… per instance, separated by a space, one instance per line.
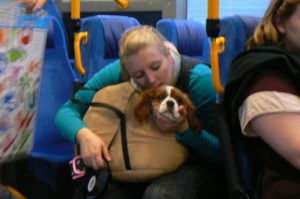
x=193 y=180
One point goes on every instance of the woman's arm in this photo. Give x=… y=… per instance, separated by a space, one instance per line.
x=281 y=131
x=202 y=93
x=272 y=112
x=204 y=144
x=33 y=5
x=69 y=117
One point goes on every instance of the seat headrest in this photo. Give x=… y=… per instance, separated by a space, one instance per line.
x=188 y=36
x=55 y=35
x=250 y=23
x=105 y=32
x=53 y=10
x=102 y=47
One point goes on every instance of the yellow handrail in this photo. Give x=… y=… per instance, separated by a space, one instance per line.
x=77 y=38
x=217 y=43
x=217 y=47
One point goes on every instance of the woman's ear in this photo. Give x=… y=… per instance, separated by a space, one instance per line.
x=279 y=23
x=142 y=107
x=171 y=47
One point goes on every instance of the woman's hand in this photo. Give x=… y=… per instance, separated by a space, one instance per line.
x=33 y=5
x=165 y=124
x=93 y=150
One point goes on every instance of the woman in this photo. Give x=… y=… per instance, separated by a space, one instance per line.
x=262 y=100
x=147 y=60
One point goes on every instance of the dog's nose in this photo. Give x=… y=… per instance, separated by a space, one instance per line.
x=170 y=104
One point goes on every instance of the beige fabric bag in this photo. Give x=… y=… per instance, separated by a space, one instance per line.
x=151 y=152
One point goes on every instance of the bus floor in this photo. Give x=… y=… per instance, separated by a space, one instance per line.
x=16 y=175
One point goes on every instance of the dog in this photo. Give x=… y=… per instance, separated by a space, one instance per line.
x=166 y=100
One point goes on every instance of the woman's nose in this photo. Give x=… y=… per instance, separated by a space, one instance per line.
x=151 y=79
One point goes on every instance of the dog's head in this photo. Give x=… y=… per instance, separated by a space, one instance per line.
x=166 y=100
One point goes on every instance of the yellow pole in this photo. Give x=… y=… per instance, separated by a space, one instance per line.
x=217 y=44
x=75 y=9
x=123 y=4
x=213 y=9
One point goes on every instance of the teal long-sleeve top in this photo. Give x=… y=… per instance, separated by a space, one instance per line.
x=201 y=91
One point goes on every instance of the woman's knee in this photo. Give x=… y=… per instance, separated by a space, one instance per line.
x=156 y=192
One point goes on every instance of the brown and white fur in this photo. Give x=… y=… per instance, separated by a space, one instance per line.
x=166 y=100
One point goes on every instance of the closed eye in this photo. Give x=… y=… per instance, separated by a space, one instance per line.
x=156 y=66
x=138 y=75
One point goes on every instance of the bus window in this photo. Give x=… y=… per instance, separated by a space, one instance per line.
x=197 y=9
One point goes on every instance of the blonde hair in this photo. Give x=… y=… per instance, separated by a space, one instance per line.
x=137 y=38
x=266 y=32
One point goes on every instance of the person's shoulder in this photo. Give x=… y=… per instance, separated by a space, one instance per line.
x=106 y=76
x=265 y=55
x=268 y=50
x=192 y=60
x=194 y=64
x=116 y=63
x=201 y=68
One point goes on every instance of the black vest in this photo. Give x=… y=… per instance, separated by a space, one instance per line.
x=244 y=69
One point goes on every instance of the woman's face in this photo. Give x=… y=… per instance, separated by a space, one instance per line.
x=291 y=30
x=150 y=67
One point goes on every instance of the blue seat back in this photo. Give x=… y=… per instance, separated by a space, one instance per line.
x=102 y=47
x=240 y=172
x=236 y=30
x=188 y=36
x=52 y=10
x=50 y=149
x=55 y=88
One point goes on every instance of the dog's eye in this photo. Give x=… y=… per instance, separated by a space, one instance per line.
x=160 y=97
x=179 y=100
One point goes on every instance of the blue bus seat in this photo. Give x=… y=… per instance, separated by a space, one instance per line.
x=188 y=36
x=51 y=152
x=236 y=29
x=102 y=47
x=240 y=173
x=53 y=10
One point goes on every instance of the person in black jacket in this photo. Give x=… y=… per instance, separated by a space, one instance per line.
x=262 y=99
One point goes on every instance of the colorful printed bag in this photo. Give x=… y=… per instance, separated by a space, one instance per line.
x=22 y=44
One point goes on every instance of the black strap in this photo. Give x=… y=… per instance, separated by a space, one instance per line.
x=187 y=63
x=123 y=126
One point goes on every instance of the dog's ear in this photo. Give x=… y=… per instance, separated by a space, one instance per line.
x=142 y=107
x=192 y=118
